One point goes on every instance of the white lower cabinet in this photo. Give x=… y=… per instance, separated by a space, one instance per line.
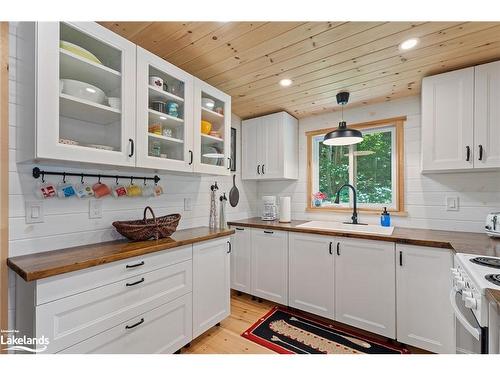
x=241 y=259
x=269 y=269
x=425 y=316
x=164 y=329
x=365 y=288
x=211 y=284
x=311 y=282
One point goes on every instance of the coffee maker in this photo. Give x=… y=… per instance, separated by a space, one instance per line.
x=269 y=210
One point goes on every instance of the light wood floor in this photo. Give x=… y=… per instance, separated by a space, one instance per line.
x=226 y=338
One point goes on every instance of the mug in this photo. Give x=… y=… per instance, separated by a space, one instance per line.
x=46 y=190
x=119 y=191
x=65 y=190
x=156 y=82
x=84 y=191
x=134 y=190
x=148 y=191
x=158 y=190
x=101 y=190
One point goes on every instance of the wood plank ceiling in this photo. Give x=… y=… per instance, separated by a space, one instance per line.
x=248 y=59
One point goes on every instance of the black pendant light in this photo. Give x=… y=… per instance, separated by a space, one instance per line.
x=343 y=135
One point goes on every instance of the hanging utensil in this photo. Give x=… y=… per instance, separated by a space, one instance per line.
x=234 y=194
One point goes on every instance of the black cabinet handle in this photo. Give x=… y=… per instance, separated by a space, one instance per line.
x=258 y=169
x=131 y=141
x=268 y=232
x=239 y=228
x=229 y=247
x=135 y=265
x=190 y=157
x=135 y=283
x=330 y=248
x=136 y=324
x=338 y=248
x=467 y=149
x=480 y=152
x=401 y=258
x=263 y=172
x=229 y=163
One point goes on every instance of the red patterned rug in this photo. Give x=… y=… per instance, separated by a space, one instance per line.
x=287 y=332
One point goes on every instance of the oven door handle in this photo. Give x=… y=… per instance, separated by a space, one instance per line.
x=475 y=332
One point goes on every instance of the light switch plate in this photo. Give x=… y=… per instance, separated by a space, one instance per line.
x=95 y=209
x=34 y=212
x=187 y=204
x=452 y=203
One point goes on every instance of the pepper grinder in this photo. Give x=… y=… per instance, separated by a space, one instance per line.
x=212 y=222
x=222 y=213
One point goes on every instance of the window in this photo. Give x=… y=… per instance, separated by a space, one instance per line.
x=374 y=167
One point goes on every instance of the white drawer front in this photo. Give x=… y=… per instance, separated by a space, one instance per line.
x=57 y=287
x=164 y=329
x=73 y=319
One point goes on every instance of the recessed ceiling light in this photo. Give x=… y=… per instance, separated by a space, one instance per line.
x=285 y=82
x=409 y=44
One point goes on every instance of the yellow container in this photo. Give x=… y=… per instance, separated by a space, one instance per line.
x=206 y=127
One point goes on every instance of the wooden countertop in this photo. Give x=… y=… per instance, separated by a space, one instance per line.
x=460 y=242
x=56 y=262
x=494 y=296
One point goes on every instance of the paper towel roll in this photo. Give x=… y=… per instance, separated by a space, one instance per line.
x=285 y=210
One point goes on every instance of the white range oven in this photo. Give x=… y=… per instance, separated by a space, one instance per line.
x=471 y=275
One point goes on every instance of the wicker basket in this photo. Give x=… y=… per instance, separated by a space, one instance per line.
x=141 y=230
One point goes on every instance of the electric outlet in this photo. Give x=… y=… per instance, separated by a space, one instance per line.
x=187 y=204
x=34 y=212
x=452 y=203
x=95 y=209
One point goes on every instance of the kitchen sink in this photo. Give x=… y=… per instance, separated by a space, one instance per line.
x=336 y=226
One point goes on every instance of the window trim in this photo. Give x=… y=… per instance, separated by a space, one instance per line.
x=398 y=123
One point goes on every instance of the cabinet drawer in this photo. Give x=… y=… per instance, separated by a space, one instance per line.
x=164 y=329
x=70 y=320
x=57 y=287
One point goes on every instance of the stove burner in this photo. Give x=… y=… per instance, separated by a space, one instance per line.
x=488 y=262
x=495 y=279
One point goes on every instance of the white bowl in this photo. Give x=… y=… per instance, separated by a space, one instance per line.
x=115 y=102
x=208 y=103
x=82 y=90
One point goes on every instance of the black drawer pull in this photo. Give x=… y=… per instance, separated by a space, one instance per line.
x=480 y=152
x=263 y=172
x=136 y=324
x=190 y=157
x=131 y=141
x=401 y=258
x=239 y=228
x=330 y=248
x=135 y=283
x=268 y=232
x=258 y=169
x=467 y=149
x=338 y=248
x=229 y=247
x=135 y=265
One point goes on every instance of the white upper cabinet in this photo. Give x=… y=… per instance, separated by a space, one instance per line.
x=211 y=129
x=447 y=121
x=76 y=90
x=425 y=315
x=164 y=114
x=365 y=285
x=487 y=116
x=310 y=281
x=270 y=147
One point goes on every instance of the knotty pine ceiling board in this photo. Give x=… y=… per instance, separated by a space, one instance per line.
x=248 y=59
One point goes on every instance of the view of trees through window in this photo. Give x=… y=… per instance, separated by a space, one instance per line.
x=372 y=166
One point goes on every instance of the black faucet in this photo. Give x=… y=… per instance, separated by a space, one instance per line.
x=354 y=216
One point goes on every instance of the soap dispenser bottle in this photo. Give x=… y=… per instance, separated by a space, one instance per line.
x=385 y=218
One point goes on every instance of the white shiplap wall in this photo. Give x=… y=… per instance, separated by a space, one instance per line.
x=478 y=192
x=66 y=222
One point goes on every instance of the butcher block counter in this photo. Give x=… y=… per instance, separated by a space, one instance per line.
x=51 y=263
x=460 y=242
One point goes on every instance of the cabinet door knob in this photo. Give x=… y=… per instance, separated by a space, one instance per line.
x=480 y=152
x=131 y=141
x=467 y=150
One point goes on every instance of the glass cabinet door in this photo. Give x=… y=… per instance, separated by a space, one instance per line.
x=86 y=94
x=164 y=114
x=212 y=129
